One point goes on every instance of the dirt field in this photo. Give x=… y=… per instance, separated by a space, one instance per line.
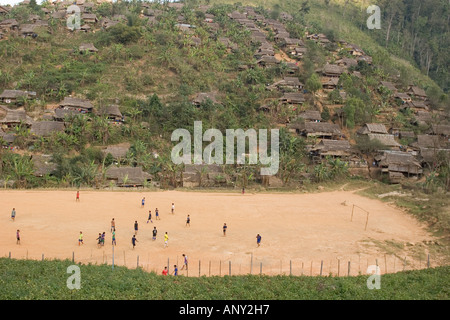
x=301 y=233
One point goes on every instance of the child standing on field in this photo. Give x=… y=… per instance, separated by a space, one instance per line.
x=173 y=208
x=185 y=262
x=78 y=196
x=80 y=238
x=258 y=239
x=135 y=227
x=133 y=241
x=166 y=240
x=188 y=221
x=99 y=239
x=13 y=214
x=175 y=270
x=149 y=216
x=157 y=214
x=18 y=236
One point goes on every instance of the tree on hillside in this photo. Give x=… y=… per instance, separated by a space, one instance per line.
x=313 y=84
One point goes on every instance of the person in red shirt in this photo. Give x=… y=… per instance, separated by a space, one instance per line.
x=165 y=271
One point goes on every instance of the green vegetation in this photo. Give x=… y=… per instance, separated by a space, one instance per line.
x=46 y=280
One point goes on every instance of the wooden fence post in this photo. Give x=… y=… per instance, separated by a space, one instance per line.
x=348 y=268
x=339 y=266
x=321 y=266
x=229 y=267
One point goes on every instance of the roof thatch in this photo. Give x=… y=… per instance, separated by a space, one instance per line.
x=89 y=17
x=7 y=137
x=77 y=103
x=312 y=115
x=87 y=47
x=293 y=97
x=14 y=94
x=332 y=70
x=26 y=29
x=373 y=128
x=268 y=60
x=9 y=23
x=112 y=110
x=441 y=129
x=317 y=128
x=417 y=105
x=46 y=128
x=333 y=147
x=61 y=114
x=16 y=117
x=117 y=151
x=388 y=85
x=402 y=96
x=428 y=141
x=430 y=155
x=128 y=176
x=419 y=92
x=205 y=96
x=386 y=139
x=400 y=162
x=43 y=165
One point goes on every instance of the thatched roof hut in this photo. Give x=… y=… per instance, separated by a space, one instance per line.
x=43 y=165
x=386 y=139
x=335 y=148
x=16 y=117
x=373 y=128
x=202 y=97
x=128 y=176
x=82 y=105
x=46 y=128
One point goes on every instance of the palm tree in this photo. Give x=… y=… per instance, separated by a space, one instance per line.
x=321 y=172
x=22 y=170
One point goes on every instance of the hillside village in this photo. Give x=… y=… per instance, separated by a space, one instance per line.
x=316 y=110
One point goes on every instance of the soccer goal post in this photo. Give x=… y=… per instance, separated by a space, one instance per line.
x=367 y=215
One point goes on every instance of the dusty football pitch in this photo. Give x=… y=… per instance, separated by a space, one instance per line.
x=301 y=233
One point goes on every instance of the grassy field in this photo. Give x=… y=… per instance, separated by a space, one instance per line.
x=46 y=280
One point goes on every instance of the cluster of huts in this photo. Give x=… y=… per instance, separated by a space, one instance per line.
x=396 y=160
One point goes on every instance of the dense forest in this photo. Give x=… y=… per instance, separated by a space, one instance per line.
x=412 y=29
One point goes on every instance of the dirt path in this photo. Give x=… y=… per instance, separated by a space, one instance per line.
x=300 y=232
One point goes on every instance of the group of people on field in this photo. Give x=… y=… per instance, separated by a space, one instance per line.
x=101 y=236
